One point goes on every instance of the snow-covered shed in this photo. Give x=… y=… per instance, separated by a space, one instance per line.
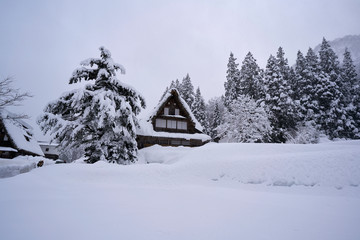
x=171 y=124
x=16 y=137
x=50 y=150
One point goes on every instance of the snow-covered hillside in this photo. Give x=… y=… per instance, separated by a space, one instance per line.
x=218 y=191
x=352 y=42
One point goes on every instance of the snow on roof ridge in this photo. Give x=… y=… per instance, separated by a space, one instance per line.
x=5 y=114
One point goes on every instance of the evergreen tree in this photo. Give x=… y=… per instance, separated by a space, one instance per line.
x=216 y=121
x=175 y=84
x=349 y=78
x=300 y=79
x=250 y=78
x=199 y=109
x=302 y=87
x=306 y=79
x=247 y=122
x=283 y=65
x=292 y=81
x=232 y=81
x=329 y=62
x=351 y=96
x=165 y=92
x=172 y=85
x=101 y=117
x=333 y=113
x=278 y=100
x=187 y=91
x=308 y=87
x=213 y=104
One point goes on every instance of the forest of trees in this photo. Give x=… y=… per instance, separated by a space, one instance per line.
x=282 y=103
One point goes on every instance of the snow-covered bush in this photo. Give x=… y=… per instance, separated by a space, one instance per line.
x=246 y=122
x=306 y=133
x=101 y=117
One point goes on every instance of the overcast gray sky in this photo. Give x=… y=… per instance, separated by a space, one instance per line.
x=42 y=42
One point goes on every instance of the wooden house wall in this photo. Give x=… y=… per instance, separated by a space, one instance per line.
x=3 y=134
x=147 y=141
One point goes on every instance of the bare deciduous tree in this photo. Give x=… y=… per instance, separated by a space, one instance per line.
x=10 y=96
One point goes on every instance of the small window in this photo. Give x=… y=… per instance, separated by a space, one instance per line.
x=163 y=141
x=182 y=125
x=47 y=149
x=171 y=124
x=6 y=138
x=185 y=142
x=175 y=142
x=166 y=111
x=160 y=123
x=177 y=111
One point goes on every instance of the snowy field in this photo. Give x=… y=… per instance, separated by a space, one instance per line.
x=218 y=191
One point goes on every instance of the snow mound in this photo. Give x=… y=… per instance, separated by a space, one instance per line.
x=20 y=164
x=334 y=164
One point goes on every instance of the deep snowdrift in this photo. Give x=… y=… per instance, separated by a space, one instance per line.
x=332 y=164
x=20 y=164
x=192 y=193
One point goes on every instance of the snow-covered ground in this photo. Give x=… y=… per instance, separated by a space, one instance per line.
x=20 y=164
x=218 y=191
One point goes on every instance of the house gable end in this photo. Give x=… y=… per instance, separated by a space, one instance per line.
x=172 y=116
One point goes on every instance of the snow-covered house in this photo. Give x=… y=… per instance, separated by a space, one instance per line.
x=171 y=124
x=16 y=137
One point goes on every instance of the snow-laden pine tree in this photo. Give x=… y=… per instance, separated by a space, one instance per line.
x=101 y=117
x=232 y=81
x=251 y=78
x=292 y=81
x=329 y=62
x=175 y=84
x=199 y=109
x=333 y=112
x=305 y=78
x=186 y=90
x=214 y=109
x=302 y=87
x=216 y=121
x=283 y=64
x=165 y=92
x=349 y=78
x=351 y=95
x=310 y=78
x=246 y=122
x=277 y=98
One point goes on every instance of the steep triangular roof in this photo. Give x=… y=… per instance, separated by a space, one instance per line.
x=173 y=92
x=20 y=134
